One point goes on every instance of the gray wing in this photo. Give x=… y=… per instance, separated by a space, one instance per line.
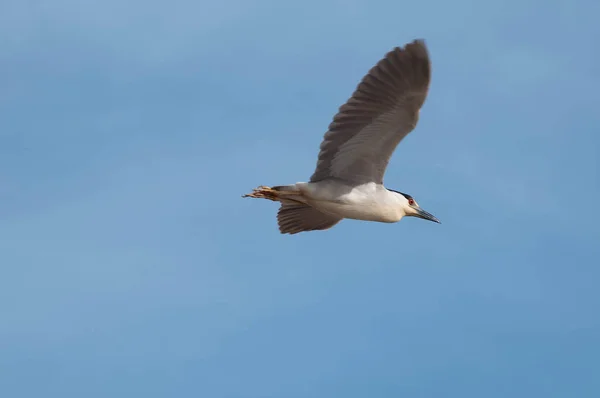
x=295 y=217
x=383 y=109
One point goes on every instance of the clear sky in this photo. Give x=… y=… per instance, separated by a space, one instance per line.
x=130 y=266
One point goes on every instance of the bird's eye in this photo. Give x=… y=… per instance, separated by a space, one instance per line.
x=411 y=202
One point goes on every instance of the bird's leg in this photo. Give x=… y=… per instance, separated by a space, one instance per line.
x=263 y=192
x=276 y=194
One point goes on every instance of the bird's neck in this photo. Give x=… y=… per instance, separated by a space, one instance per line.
x=394 y=206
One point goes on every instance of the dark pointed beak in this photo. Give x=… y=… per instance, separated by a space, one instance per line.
x=425 y=215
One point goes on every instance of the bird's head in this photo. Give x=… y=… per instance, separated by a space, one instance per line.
x=411 y=208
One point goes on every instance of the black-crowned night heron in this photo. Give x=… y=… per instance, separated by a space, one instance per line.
x=348 y=180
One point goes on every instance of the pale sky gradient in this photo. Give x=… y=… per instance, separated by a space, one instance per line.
x=131 y=267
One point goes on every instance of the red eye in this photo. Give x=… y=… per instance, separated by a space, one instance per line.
x=411 y=201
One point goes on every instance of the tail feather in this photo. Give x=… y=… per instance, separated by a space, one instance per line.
x=295 y=217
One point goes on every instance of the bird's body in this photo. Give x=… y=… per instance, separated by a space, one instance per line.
x=367 y=202
x=348 y=180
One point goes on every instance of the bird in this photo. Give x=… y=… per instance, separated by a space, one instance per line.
x=356 y=149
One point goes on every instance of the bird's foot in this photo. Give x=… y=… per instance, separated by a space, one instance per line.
x=262 y=192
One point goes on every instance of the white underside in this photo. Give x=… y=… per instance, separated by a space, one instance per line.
x=369 y=202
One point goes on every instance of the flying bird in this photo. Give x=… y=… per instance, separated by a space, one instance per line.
x=356 y=149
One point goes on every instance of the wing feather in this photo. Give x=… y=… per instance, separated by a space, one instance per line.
x=294 y=218
x=383 y=109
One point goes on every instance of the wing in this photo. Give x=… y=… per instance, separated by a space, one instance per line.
x=293 y=218
x=383 y=109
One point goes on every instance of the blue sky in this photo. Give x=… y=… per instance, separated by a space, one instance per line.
x=130 y=266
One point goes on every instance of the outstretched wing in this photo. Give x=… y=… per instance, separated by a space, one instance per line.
x=383 y=109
